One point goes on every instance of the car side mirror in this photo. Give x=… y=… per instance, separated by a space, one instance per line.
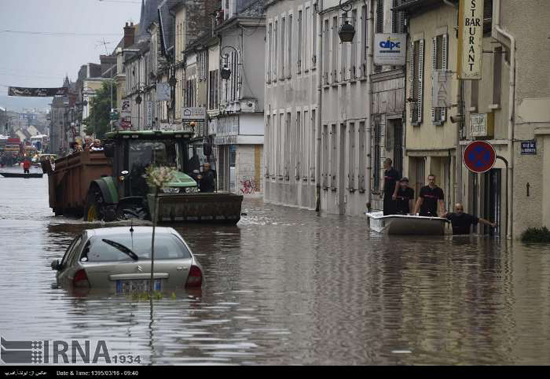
x=55 y=265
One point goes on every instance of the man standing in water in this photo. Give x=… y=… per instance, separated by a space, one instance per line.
x=391 y=185
x=462 y=222
x=429 y=198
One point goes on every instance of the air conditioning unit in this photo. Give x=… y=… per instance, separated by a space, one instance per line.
x=248 y=105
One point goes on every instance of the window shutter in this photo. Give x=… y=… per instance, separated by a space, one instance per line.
x=445 y=64
x=412 y=83
x=434 y=67
x=420 y=79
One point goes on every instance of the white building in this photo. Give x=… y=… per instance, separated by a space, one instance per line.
x=321 y=96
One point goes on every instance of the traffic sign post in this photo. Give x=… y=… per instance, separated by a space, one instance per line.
x=479 y=156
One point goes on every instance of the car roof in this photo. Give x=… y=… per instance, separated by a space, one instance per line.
x=138 y=230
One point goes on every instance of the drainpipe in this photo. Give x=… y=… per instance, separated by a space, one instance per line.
x=497 y=33
x=319 y=112
x=369 y=100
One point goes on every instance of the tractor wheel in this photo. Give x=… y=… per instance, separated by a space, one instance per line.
x=94 y=208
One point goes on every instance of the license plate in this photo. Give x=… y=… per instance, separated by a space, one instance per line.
x=130 y=286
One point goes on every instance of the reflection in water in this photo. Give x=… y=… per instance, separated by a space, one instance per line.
x=288 y=286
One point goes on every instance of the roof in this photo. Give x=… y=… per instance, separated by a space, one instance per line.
x=168 y=22
x=148 y=16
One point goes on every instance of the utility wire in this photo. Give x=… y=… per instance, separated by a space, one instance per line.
x=56 y=33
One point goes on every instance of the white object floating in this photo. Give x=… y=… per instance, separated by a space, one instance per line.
x=401 y=351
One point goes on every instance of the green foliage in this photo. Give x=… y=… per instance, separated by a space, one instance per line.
x=536 y=235
x=145 y=296
x=99 y=121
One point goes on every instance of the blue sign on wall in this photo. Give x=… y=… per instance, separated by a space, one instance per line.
x=529 y=147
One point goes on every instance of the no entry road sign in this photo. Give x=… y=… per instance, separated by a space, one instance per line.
x=479 y=156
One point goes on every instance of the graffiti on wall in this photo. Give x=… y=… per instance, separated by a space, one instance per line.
x=249 y=186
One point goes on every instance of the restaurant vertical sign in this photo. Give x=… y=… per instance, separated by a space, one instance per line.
x=470 y=38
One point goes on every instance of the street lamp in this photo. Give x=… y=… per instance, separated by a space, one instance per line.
x=225 y=71
x=347 y=31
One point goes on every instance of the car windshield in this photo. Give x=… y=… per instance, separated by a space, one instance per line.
x=167 y=246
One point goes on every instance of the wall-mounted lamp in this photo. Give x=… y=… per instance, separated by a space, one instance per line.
x=347 y=31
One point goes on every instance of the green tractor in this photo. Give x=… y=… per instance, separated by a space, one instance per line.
x=125 y=194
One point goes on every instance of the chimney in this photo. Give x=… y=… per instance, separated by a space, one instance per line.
x=129 y=35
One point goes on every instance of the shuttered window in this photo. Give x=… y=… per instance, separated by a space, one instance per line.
x=379 y=25
x=417 y=81
x=289 y=52
x=439 y=62
x=398 y=18
x=300 y=41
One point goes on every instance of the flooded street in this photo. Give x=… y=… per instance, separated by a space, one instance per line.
x=286 y=286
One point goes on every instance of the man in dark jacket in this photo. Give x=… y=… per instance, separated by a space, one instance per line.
x=207 y=180
x=391 y=185
x=462 y=222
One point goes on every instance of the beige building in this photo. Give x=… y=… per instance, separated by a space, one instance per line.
x=508 y=108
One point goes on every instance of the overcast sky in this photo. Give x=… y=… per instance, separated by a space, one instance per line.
x=52 y=38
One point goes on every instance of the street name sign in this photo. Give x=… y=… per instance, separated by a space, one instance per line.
x=470 y=38
x=479 y=156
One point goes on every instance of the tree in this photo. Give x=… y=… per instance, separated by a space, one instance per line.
x=99 y=121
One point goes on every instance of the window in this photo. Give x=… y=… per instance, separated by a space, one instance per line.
x=269 y=53
x=267 y=151
x=326 y=53
x=364 y=35
x=343 y=61
x=379 y=24
x=417 y=81
x=213 y=90
x=287 y=154
x=439 y=62
x=167 y=246
x=203 y=64
x=190 y=91
x=353 y=63
x=314 y=42
x=289 y=52
x=312 y=145
x=325 y=168
x=334 y=51
x=351 y=158
x=299 y=148
x=283 y=50
x=497 y=75
x=333 y=156
x=307 y=39
x=280 y=153
x=275 y=50
x=300 y=40
x=377 y=161
x=398 y=18
x=305 y=144
x=362 y=156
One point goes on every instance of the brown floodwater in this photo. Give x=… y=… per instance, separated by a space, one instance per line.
x=287 y=286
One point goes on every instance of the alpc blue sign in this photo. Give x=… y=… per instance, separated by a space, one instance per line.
x=390 y=49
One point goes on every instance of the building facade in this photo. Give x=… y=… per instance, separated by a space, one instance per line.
x=239 y=122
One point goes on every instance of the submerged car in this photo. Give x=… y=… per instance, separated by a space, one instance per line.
x=119 y=259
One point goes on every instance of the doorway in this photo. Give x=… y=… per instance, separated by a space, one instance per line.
x=492 y=200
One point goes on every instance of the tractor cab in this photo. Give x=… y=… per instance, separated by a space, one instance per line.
x=134 y=152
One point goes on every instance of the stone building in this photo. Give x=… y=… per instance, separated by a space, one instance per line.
x=324 y=99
